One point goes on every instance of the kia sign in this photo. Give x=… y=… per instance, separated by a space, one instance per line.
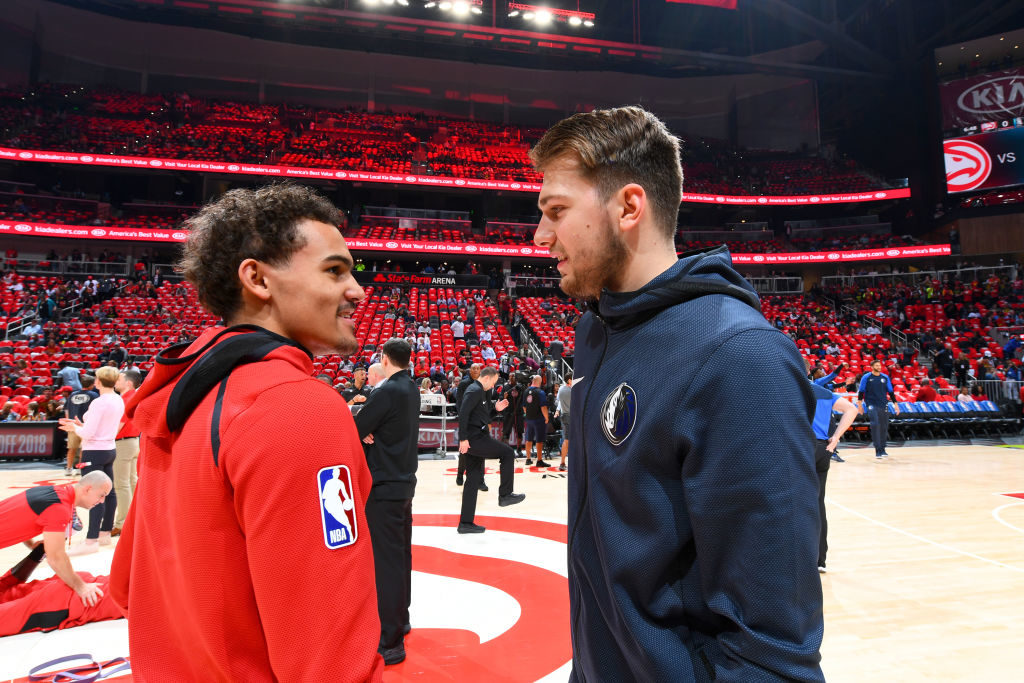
x=87 y=232
x=402 y=179
x=995 y=96
x=984 y=162
x=926 y=250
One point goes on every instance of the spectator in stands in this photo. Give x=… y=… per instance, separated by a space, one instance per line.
x=977 y=394
x=926 y=392
x=984 y=370
x=943 y=361
x=8 y=413
x=961 y=368
x=1009 y=349
x=965 y=395
x=458 y=328
x=488 y=353
x=33 y=329
x=426 y=386
x=54 y=411
x=32 y=412
x=1013 y=372
x=437 y=372
x=69 y=376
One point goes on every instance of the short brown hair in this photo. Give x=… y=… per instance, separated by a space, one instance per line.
x=616 y=147
x=243 y=224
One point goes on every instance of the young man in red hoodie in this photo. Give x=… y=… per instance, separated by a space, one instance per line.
x=245 y=555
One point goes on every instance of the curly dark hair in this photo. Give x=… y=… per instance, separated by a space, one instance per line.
x=242 y=224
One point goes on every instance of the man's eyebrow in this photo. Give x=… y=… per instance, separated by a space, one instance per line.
x=550 y=197
x=338 y=257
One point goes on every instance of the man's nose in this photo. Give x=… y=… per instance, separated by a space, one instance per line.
x=543 y=236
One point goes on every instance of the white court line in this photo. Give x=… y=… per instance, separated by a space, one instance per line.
x=999 y=518
x=925 y=540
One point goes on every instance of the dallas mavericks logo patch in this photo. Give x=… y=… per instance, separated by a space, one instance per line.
x=618 y=414
x=337 y=508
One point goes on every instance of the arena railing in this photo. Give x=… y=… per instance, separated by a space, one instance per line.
x=873 y=279
x=28 y=266
x=777 y=285
x=999 y=390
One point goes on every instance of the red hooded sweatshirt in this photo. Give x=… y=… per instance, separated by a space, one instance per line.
x=245 y=555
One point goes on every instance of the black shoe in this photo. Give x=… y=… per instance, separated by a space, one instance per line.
x=458 y=480
x=541 y=463
x=529 y=461
x=835 y=456
x=393 y=655
x=511 y=499
x=483 y=487
x=471 y=528
x=562 y=467
x=406 y=629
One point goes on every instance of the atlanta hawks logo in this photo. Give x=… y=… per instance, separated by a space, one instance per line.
x=618 y=414
x=968 y=165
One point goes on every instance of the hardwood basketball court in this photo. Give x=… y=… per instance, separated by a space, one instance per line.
x=925 y=575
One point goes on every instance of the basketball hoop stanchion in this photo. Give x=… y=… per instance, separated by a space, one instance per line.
x=428 y=401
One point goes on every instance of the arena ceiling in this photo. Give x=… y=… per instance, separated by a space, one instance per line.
x=826 y=40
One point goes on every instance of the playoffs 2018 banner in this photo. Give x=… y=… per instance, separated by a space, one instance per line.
x=992 y=97
x=983 y=162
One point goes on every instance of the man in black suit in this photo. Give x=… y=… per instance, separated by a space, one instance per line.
x=475 y=443
x=467 y=379
x=389 y=427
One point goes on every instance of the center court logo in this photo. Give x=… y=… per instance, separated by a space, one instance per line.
x=618 y=414
x=337 y=509
x=968 y=164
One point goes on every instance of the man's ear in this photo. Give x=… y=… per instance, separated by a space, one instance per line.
x=631 y=206
x=253 y=276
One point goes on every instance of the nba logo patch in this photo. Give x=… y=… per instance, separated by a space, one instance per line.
x=618 y=414
x=337 y=506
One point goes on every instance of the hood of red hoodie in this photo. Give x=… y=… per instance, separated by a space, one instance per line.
x=184 y=374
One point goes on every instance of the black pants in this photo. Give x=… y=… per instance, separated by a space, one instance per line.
x=822 y=460
x=878 y=418
x=101 y=517
x=390 y=523
x=480 y=448
x=511 y=426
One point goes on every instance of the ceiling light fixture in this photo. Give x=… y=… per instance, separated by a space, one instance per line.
x=544 y=16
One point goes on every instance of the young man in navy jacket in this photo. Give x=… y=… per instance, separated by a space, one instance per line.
x=693 y=517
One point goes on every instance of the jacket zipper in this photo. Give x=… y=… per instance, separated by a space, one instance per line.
x=586 y=481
